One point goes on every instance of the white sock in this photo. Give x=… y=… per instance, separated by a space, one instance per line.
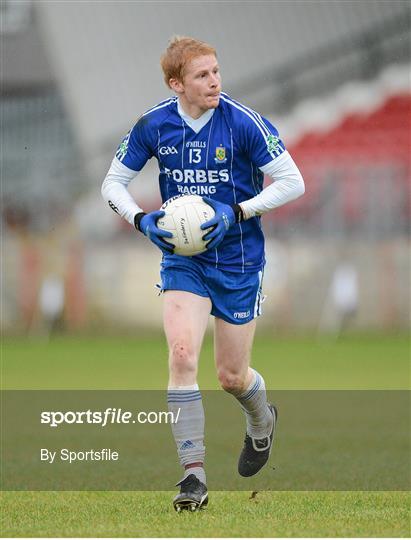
x=197 y=471
x=254 y=404
x=189 y=430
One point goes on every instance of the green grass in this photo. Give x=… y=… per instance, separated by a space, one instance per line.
x=367 y=362
x=148 y=514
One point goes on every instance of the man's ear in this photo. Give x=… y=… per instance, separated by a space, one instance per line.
x=176 y=85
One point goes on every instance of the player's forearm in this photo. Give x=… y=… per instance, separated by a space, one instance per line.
x=115 y=193
x=288 y=184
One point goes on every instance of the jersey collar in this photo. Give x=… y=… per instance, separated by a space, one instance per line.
x=196 y=124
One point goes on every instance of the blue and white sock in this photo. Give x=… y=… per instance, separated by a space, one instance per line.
x=189 y=430
x=254 y=404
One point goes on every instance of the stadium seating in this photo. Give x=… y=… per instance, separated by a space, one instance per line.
x=362 y=153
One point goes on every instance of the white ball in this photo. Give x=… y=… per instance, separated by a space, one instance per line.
x=183 y=216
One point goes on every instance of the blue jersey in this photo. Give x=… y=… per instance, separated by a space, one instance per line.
x=221 y=161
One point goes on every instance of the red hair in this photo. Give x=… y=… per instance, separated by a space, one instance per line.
x=180 y=51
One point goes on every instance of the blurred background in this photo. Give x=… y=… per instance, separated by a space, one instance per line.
x=334 y=77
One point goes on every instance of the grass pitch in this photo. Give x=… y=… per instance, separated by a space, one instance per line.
x=66 y=363
x=150 y=514
x=350 y=363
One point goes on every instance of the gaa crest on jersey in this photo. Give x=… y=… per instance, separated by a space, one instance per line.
x=272 y=142
x=220 y=156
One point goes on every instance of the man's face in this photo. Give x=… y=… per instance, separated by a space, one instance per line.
x=201 y=85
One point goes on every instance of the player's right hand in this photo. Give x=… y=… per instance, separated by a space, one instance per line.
x=147 y=224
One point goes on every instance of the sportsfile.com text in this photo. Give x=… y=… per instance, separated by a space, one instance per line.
x=108 y=416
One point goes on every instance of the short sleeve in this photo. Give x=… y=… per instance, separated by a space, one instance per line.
x=262 y=140
x=137 y=146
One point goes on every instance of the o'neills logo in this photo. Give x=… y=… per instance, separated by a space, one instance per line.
x=168 y=201
x=241 y=314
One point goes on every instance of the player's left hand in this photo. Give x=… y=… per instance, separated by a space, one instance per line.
x=224 y=218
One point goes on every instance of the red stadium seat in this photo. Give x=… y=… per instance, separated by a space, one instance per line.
x=361 y=146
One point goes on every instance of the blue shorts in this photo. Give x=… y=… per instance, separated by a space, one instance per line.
x=236 y=298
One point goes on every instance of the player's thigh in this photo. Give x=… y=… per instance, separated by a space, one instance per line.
x=185 y=317
x=232 y=346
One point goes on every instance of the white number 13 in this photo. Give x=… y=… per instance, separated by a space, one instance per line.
x=194 y=155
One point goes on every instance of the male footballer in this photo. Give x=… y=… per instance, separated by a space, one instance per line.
x=208 y=144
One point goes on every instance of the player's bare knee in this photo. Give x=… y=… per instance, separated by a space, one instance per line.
x=182 y=358
x=231 y=382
